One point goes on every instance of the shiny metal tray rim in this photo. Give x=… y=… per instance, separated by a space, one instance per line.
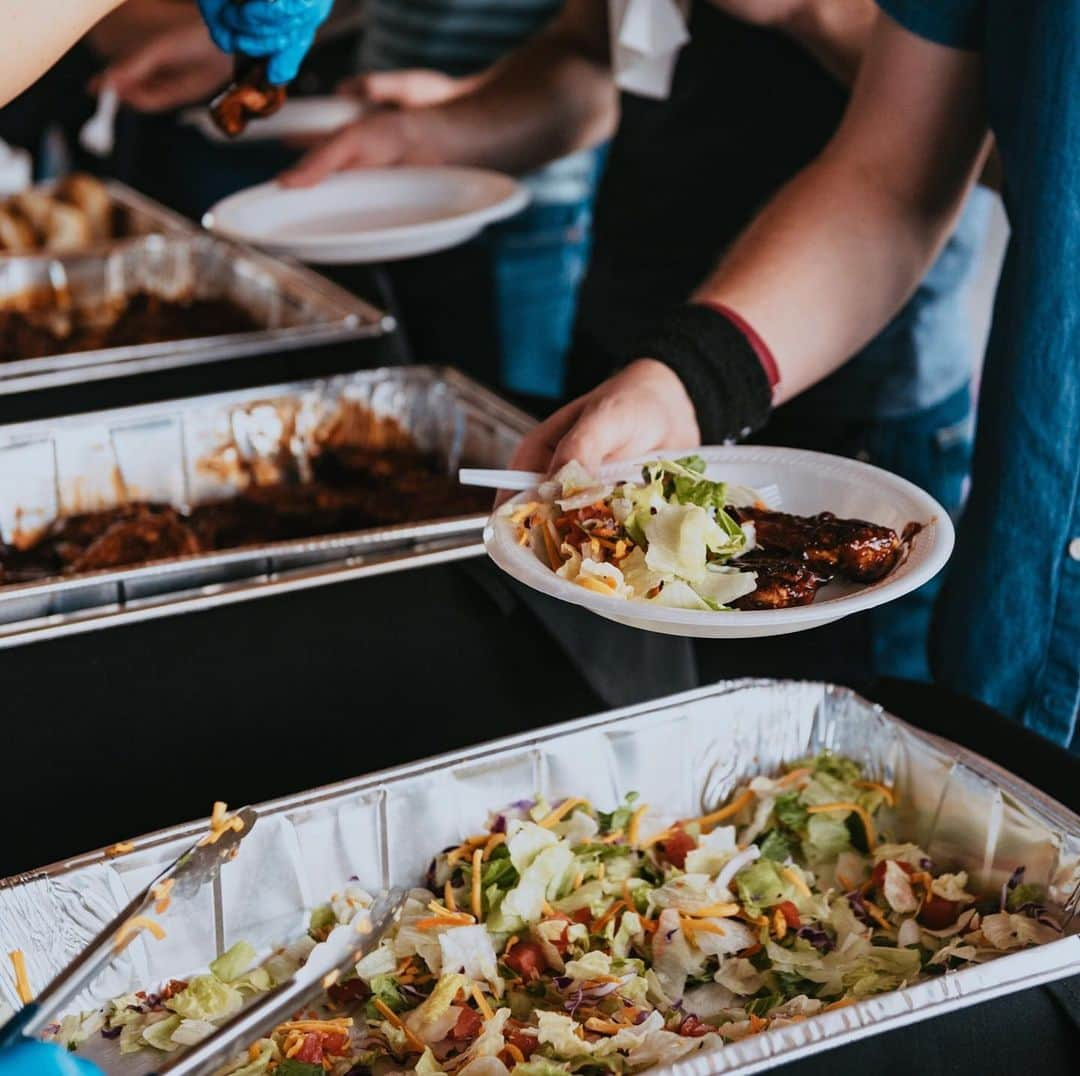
x=265 y=584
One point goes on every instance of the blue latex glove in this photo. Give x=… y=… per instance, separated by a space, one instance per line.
x=279 y=30
x=30 y=1058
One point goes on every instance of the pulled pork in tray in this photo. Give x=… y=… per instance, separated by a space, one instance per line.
x=76 y=213
x=37 y=330
x=351 y=488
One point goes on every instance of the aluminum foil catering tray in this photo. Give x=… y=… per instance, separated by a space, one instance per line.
x=204 y=449
x=133 y=216
x=685 y=752
x=291 y=306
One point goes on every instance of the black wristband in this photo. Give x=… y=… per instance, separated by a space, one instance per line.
x=719 y=368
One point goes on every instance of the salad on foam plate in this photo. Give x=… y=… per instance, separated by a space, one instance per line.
x=566 y=939
x=679 y=540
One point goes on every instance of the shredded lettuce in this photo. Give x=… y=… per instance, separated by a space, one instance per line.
x=233 y=962
x=206 y=997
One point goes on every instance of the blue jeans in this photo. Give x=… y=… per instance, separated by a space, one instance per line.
x=933 y=449
x=538 y=260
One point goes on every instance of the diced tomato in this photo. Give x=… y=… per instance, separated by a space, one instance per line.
x=582 y=915
x=469 y=1023
x=693 y=1028
x=334 y=1042
x=523 y=1040
x=527 y=959
x=790 y=913
x=676 y=846
x=937 y=913
x=877 y=877
x=311 y=1052
x=561 y=943
x=172 y=988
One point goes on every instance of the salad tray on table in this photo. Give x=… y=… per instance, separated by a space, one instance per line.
x=683 y=754
x=182 y=457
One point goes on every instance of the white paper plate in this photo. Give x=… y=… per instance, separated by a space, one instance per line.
x=298 y=116
x=369 y=215
x=809 y=482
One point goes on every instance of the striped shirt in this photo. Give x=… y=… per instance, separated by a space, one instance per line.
x=462 y=37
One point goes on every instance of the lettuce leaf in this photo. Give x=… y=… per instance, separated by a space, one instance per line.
x=761 y=885
x=206 y=997
x=233 y=962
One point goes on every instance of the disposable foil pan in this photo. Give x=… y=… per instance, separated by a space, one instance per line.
x=685 y=753
x=160 y=452
x=293 y=306
x=138 y=215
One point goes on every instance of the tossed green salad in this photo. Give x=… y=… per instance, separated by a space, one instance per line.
x=566 y=939
x=669 y=539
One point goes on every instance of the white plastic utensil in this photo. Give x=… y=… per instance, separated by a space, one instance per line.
x=492 y=478
x=98 y=134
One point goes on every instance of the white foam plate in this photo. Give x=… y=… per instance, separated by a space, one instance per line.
x=809 y=482
x=299 y=116
x=369 y=215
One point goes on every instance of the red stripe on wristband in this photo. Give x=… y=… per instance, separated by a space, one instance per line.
x=761 y=349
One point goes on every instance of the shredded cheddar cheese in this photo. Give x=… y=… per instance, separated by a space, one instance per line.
x=602 y=1027
x=779 y=924
x=793 y=776
x=162 y=895
x=130 y=927
x=121 y=848
x=693 y=926
x=393 y=1018
x=448 y=896
x=493 y=842
x=22 y=982
x=796 y=880
x=457 y=919
x=888 y=793
x=635 y=825
x=708 y=821
x=715 y=911
x=516 y=1055
x=562 y=811
x=481 y=1002
x=843 y=1003
x=864 y=817
x=477 y=871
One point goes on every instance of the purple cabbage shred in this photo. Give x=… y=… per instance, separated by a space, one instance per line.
x=111 y=1032
x=817 y=936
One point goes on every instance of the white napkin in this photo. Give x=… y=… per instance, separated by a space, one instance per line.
x=16 y=169
x=98 y=134
x=646 y=36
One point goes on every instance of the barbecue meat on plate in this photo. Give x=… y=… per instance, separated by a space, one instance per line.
x=860 y=551
x=781 y=582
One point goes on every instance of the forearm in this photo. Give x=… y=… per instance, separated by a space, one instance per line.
x=553 y=96
x=37 y=34
x=835 y=255
x=835 y=32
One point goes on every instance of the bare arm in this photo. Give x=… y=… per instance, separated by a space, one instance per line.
x=34 y=35
x=552 y=96
x=835 y=32
x=829 y=260
x=845 y=243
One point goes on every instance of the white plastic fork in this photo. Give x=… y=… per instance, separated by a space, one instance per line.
x=98 y=134
x=493 y=478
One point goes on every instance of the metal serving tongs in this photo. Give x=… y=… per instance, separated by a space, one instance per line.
x=180 y=882
x=345 y=946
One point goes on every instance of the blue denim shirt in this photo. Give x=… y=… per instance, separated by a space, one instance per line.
x=1009 y=625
